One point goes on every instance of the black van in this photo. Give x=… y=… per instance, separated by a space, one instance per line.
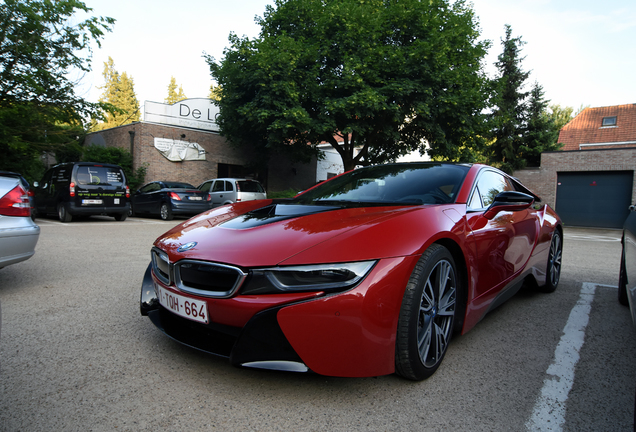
x=83 y=189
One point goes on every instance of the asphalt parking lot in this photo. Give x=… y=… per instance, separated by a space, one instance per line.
x=76 y=355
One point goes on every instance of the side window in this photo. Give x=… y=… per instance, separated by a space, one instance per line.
x=475 y=201
x=219 y=186
x=489 y=185
x=205 y=186
x=228 y=186
x=149 y=188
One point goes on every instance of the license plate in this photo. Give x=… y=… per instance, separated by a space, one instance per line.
x=195 y=198
x=196 y=310
x=116 y=201
x=91 y=201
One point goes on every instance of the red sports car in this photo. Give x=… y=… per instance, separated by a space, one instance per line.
x=367 y=274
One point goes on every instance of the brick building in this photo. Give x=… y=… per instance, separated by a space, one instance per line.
x=181 y=142
x=591 y=181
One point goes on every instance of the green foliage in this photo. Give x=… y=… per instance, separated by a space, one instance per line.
x=561 y=115
x=173 y=95
x=41 y=42
x=121 y=157
x=541 y=131
x=381 y=75
x=120 y=98
x=508 y=99
x=521 y=125
x=215 y=92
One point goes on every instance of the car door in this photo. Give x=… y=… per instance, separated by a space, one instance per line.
x=502 y=244
x=218 y=193
x=42 y=193
x=142 y=198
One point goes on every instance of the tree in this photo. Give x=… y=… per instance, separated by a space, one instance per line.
x=173 y=95
x=41 y=45
x=215 y=92
x=119 y=95
x=541 y=131
x=508 y=117
x=561 y=115
x=382 y=76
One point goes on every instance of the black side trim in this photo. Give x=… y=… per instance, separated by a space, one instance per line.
x=262 y=339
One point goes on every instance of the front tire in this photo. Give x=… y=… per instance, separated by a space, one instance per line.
x=425 y=325
x=63 y=214
x=166 y=212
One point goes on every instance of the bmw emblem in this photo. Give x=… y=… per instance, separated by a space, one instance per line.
x=187 y=247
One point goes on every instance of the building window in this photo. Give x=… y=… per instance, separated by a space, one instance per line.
x=609 y=121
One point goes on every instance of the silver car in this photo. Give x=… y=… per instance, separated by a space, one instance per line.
x=18 y=233
x=230 y=190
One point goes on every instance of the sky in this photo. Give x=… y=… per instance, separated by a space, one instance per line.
x=582 y=52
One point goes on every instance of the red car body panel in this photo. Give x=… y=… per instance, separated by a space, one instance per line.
x=353 y=333
x=338 y=335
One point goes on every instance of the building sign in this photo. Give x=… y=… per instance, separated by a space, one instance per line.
x=177 y=151
x=197 y=113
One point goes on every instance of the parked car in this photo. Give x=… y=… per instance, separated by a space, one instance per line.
x=26 y=185
x=232 y=190
x=627 y=275
x=366 y=274
x=18 y=233
x=83 y=189
x=167 y=199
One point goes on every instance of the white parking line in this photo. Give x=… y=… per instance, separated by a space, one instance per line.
x=549 y=409
x=592 y=238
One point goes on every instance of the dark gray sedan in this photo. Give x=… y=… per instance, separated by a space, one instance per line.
x=167 y=199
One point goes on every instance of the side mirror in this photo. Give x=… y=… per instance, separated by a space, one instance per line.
x=509 y=201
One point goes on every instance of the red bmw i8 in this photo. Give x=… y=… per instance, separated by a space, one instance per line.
x=367 y=274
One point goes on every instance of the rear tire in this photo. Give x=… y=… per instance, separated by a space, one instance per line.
x=63 y=214
x=553 y=269
x=425 y=325
x=120 y=217
x=166 y=212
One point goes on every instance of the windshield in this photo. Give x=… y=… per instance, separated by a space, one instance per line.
x=401 y=184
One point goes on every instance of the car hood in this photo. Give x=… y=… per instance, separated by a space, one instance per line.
x=264 y=233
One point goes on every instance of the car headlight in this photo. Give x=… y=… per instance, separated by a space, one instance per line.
x=321 y=277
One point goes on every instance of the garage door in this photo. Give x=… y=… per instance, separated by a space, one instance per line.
x=594 y=199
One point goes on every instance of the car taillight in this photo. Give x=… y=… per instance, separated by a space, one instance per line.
x=209 y=197
x=15 y=203
x=174 y=196
x=127 y=192
x=71 y=189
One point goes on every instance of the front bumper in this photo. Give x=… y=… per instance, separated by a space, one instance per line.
x=260 y=343
x=350 y=334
